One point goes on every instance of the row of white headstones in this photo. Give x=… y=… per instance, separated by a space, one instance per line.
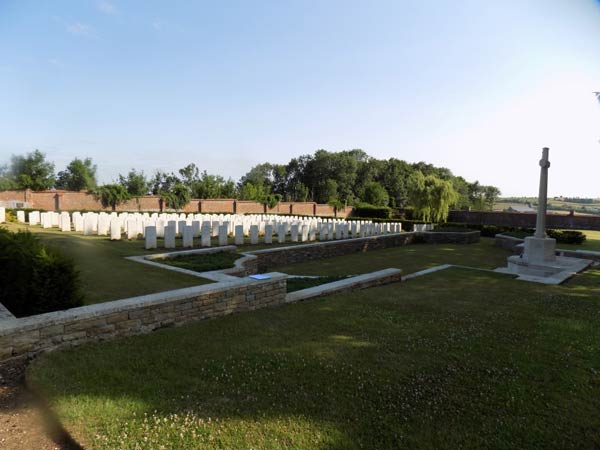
x=206 y=226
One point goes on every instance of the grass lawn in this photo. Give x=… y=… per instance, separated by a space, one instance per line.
x=296 y=284
x=455 y=359
x=592 y=242
x=203 y=262
x=410 y=258
x=104 y=273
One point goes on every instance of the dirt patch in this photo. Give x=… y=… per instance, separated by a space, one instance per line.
x=23 y=424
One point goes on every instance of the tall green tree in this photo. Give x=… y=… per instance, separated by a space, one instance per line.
x=490 y=195
x=32 y=171
x=6 y=180
x=111 y=195
x=375 y=194
x=431 y=197
x=135 y=183
x=80 y=174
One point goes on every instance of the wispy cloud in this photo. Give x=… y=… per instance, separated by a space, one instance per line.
x=56 y=62
x=106 y=7
x=80 y=29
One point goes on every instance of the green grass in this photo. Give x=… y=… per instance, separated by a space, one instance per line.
x=104 y=273
x=410 y=258
x=592 y=242
x=203 y=262
x=456 y=359
x=296 y=284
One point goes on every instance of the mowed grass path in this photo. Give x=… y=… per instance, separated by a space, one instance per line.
x=104 y=272
x=410 y=258
x=456 y=359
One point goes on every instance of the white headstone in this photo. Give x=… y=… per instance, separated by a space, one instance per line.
x=281 y=233
x=196 y=228
x=304 y=233
x=34 y=217
x=205 y=234
x=115 y=229
x=78 y=221
x=239 y=235
x=223 y=229
x=65 y=221
x=170 y=236
x=132 y=231
x=160 y=228
x=188 y=236
x=21 y=216
x=150 y=237
x=181 y=224
x=294 y=232
x=88 y=225
x=268 y=234
x=3 y=215
x=253 y=234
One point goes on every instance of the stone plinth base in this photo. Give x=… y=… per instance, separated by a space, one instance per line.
x=547 y=272
x=539 y=250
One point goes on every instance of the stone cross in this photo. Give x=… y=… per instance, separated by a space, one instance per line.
x=540 y=225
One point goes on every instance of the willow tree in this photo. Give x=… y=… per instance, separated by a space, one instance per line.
x=431 y=197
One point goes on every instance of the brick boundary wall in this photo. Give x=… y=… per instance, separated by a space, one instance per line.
x=527 y=220
x=138 y=315
x=59 y=200
x=281 y=256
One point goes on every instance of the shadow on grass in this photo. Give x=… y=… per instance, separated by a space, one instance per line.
x=454 y=359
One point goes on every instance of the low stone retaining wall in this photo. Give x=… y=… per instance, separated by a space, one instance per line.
x=451 y=237
x=364 y=281
x=281 y=256
x=137 y=315
x=510 y=243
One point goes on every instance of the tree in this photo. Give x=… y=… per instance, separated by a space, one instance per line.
x=490 y=195
x=79 y=175
x=162 y=181
x=111 y=195
x=32 y=171
x=135 y=183
x=213 y=186
x=431 y=197
x=375 y=194
x=6 y=181
x=177 y=197
x=190 y=175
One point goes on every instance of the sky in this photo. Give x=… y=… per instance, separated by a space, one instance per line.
x=477 y=86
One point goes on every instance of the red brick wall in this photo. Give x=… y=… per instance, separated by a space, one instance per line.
x=18 y=196
x=303 y=209
x=73 y=201
x=248 y=206
x=217 y=205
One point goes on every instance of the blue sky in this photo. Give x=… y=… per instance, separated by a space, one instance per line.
x=477 y=86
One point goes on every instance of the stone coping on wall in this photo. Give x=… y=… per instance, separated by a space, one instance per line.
x=81 y=313
x=366 y=280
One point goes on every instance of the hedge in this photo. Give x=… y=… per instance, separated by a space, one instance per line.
x=35 y=279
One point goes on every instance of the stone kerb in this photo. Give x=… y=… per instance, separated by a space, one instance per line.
x=137 y=315
x=451 y=237
x=510 y=243
x=364 y=281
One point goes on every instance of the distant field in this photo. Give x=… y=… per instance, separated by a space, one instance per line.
x=554 y=205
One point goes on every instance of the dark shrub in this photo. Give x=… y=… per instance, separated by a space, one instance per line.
x=561 y=236
x=380 y=212
x=33 y=278
x=567 y=236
